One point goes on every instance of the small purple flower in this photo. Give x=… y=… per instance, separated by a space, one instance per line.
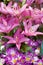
x=14 y=57
x=34 y=43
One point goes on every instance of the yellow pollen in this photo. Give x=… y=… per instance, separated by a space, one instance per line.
x=27 y=59
x=40 y=64
x=14 y=61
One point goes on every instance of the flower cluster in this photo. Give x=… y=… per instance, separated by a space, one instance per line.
x=21 y=32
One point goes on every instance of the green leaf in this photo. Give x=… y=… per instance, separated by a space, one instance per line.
x=4 y=39
x=15 y=29
x=23 y=2
x=0 y=44
x=40 y=28
x=10 y=33
x=25 y=48
x=1 y=35
x=6 y=1
x=41 y=49
x=0 y=47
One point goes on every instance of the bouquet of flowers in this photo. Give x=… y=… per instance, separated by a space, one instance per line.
x=21 y=32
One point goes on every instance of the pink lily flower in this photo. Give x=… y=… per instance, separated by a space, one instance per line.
x=31 y=30
x=12 y=10
x=7 y=26
x=17 y=39
x=16 y=11
x=36 y=14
